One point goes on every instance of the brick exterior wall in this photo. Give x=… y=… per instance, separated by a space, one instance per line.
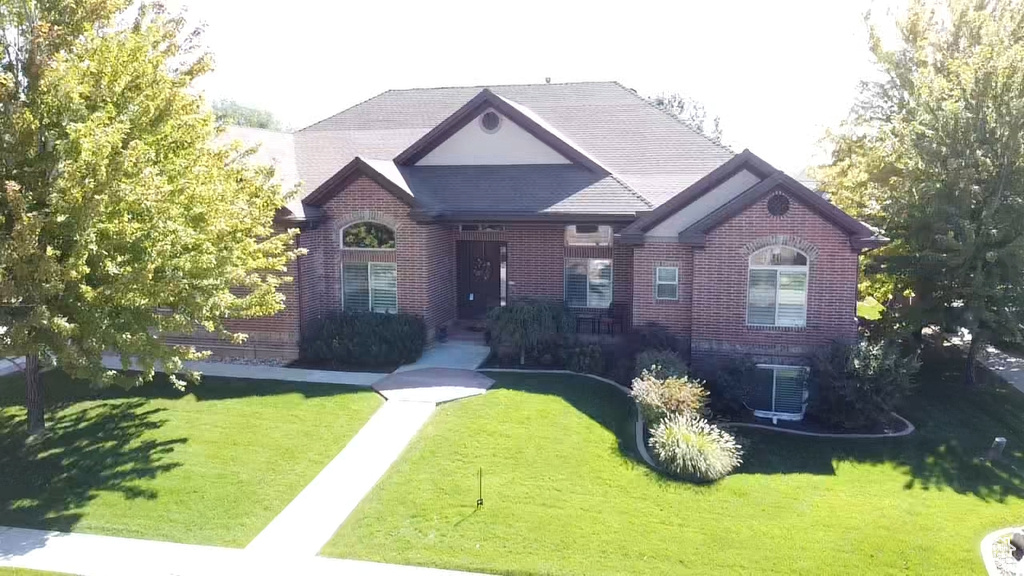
x=719 y=284
x=674 y=315
x=424 y=255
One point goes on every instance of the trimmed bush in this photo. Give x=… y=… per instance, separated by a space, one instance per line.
x=528 y=326
x=660 y=363
x=691 y=448
x=658 y=398
x=586 y=358
x=856 y=386
x=366 y=339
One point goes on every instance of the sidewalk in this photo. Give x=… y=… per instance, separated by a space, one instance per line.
x=309 y=521
x=90 y=555
x=256 y=372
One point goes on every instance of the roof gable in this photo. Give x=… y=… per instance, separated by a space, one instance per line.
x=860 y=235
x=518 y=114
x=506 y=144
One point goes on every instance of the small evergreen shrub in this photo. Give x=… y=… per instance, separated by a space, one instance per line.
x=660 y=363
x=691 y=448
x=366 y=339
x=658 y=398
x=528 y=328
x=855 y=386
x=586 y=358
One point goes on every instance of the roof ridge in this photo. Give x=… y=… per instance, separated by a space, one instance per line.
x=426 y=88
x=322 y=120
x=676 y=118
x=230 y=126
x=636 y=193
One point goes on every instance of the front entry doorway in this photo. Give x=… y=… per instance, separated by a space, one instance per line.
x=482 y=277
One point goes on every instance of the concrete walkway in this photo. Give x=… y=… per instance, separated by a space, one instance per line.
x=309 y=521
x=456 y=355
x=89 y=555
x=257 y=372
x=1007 y=366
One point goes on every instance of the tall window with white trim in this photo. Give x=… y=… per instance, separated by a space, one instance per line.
x=777 y=287
x=588 y=283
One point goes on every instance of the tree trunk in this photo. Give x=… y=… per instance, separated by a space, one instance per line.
x=34 y=395
x=972 y=357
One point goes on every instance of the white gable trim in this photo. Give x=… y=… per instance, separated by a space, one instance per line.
x=701 y=207
x=471 y=145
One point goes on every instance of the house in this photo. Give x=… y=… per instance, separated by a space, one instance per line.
x=446 y=202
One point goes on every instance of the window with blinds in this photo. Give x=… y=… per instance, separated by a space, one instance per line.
x=588 y=283
x=370 y=287
x=780 y=392
x=777 y=287
x=666 y=283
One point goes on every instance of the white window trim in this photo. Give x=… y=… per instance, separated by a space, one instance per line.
x=659 y=282
x=788 y=416
x=341 y=237
x=369 y=282
x=611 y=281
x=805 y=269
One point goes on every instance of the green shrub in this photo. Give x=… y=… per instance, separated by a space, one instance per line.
x=658 y=398
x=854 y=386
x=690 y=447
x=730 y=382
x=661 y=363
x=528 y=326
x=366 y=339
x=586 y=358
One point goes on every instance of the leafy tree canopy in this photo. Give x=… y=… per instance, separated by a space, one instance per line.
x=119 y=218
x=933 y=154
x=230 y=112
x=689 y=112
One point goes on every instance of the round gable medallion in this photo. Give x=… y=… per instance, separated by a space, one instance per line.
x=778 y=205
x=490 y=122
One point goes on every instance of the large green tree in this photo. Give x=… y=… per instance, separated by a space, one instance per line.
x=933 y=154
x=689 y=112
x=120 y=220
x=232 y=113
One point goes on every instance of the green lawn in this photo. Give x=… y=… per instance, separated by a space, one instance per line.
x=564 y=493
x=213 y=466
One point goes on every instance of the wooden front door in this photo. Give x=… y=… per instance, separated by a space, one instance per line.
x=481 y=277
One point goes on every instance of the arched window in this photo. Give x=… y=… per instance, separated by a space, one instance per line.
x=777 y=287
x=369 y=286
x=368 y=235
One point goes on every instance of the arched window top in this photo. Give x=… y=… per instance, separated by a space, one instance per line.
x=368 y=235
x=778 y=256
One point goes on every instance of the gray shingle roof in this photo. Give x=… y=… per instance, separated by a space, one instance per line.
x=649 y=152
x=555 y=188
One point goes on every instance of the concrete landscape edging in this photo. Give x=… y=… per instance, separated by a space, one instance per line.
x=986 y=549
x=909 y=429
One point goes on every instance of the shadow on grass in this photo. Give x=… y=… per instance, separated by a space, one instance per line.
x=955 y=427
x=87 y=450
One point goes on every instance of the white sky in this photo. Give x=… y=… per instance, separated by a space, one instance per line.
x=778 y=72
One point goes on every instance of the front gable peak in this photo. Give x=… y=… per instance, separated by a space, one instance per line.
x=492 y=130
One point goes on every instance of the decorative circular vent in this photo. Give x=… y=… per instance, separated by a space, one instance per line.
x=490 y=122
x=778 y=205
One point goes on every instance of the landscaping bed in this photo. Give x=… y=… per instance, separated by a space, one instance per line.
x=211 y=466
x=566 y=493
